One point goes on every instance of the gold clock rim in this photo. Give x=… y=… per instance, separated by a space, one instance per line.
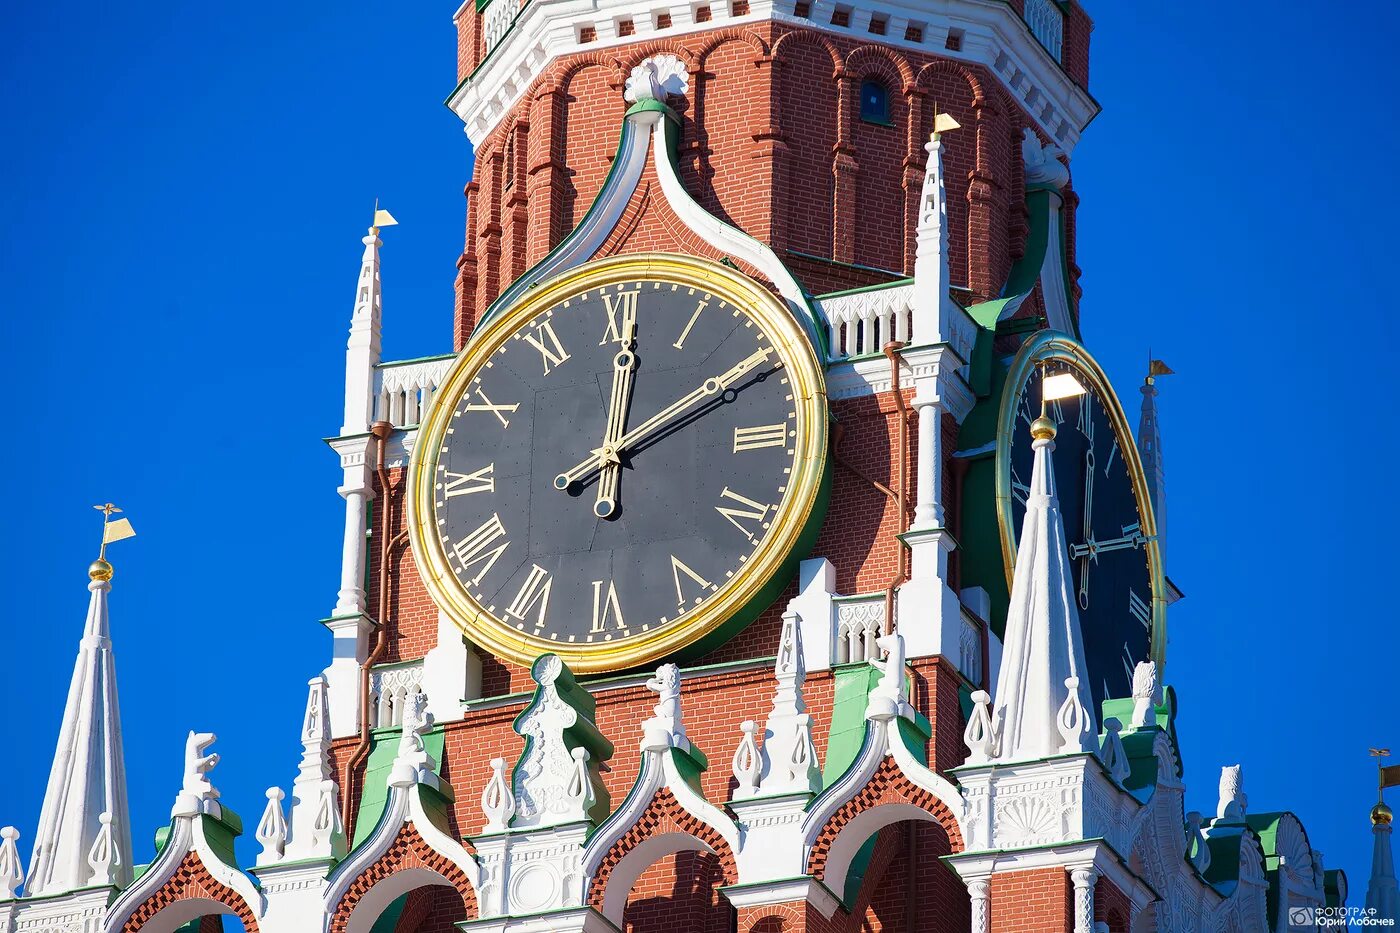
x=1054 y=346
x=795 y=510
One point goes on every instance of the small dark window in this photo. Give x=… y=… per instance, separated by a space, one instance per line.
x=874 y=102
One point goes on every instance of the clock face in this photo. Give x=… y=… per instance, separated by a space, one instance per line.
x=618 y=465
x=1098 y=480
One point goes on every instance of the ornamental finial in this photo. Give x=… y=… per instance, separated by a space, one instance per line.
x=111 y=531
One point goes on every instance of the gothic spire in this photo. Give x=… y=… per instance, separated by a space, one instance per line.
x=1149 y=440
x=88 y=779
x=1383 y=892
x=1043 y=702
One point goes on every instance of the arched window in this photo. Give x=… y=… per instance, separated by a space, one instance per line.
x=874 y=103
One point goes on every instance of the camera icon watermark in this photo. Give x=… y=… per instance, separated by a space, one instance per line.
x=1326 y=918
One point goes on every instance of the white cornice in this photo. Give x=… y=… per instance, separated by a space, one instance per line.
x=992 y=36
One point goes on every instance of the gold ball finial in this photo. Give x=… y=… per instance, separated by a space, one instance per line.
x=100 y=570
x=1043 y=428
x=1381 y=815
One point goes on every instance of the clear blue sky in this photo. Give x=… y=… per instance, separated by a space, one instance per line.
x=185 y=190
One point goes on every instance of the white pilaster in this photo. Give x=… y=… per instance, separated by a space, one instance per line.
x=815 y=610
x=978 y=892
x=1083 y=879
x=88 y=776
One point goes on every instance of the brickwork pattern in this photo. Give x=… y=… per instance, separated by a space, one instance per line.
x=1112 y=906
x=191 y=880
x=410 y=850
x=1038 y=901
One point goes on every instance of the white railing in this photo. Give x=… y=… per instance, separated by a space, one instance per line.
x=970 y=647
x=391 y=688
x=861 y=323
x=1047 y=22
x=859 y=621
x=403 y=391
x=499 y=15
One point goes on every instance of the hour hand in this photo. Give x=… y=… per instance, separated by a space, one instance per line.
x=610 y=470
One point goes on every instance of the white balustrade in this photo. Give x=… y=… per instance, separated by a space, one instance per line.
x=403 y=391
x=499 y=15
x=859 y=621
x=861 y=323
x=1047 y=22
x=392 y=689
x=970 y=647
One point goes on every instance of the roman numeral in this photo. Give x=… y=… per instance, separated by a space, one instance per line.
x=547 y=342
x=680 y=341
x=678 y=567
x=755 y=512
x=1139 y=609
x=765 y=435
x=622 y=315
x=477 y=547
x=606 y=607
x=488 y=405
x=1056 y=411
x=464 y=484
x=535 y=590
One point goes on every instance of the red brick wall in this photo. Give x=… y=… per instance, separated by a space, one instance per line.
x=1112 y=906
x=1039 y=901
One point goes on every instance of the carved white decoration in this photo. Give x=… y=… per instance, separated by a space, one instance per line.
x=1233 y=801
x=197 y=794
x=327 y=833
x=978 y=892
x=392 y=689
x=11 y=871
x=858 y=623
x=787 y=762
x=499 y=15
x=580 y=790
x=314 y=780
x=1043 y=165
x=542 y=780
x=887 y=698
x=746 y=764
x=665 y=729
x=413 y=764
x=657 y=78
x=272 y=829
x=1042 y=706
x=403 y=391
x=1083 y=879
x=1145 y=694
x=979 y=736
x=1047 y=23
x=1197 y=851
x=497 y=802
x=970 y=648
x=104 y=858
x=861 y=323
x=1112 y=753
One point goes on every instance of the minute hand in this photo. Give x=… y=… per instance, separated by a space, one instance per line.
x=709 y=388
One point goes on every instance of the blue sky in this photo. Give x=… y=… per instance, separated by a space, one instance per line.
x=184 y=191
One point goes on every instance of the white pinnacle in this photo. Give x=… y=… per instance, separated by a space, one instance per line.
x=88 y=777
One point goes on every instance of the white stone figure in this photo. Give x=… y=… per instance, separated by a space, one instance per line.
x=1145 y=694
x=540 y=782
x=747 y=763
x=1043 y=165
x=657 y=78
x=979 y=736
x=11 y=871
x=197 y=793
x=1197 y=851
x=497 y=802
x=272 y=829
x=1042 y=705
x=1112 y=752
x=887 y=697
x=413 y=764
x=1233 y=801
x=104 y=858
x=665 y=729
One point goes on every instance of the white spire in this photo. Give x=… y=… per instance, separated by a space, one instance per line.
x=362 y=350
x=788 y=761
x=1042 y=703
x=1382 y=893
x=88 y=778
x=931 y=279
x=1149 y=440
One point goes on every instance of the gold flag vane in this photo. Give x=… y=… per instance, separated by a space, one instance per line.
x=382 y=218
x=117 y=530
x=1389 y=777
x=943 y=122
x=1157 y=368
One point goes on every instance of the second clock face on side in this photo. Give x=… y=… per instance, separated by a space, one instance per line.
x=1108 y=529
x=618 y=460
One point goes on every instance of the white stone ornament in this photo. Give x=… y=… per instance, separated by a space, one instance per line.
x=887 y=697
x=978 y=736
x=414 y=765
x=1197 y=851
x=1145 y=694
x=326 y=830
x=665 y=729
x=1112 y=753
x=11 y=870
x=104 y=858
x=1072 y=719
x=547 y=782
x=197 y=794
x=1233 y=801
x=747 y=764
x=497 y=802
x=1043 y=165
x=272 y=829
x=657 y=78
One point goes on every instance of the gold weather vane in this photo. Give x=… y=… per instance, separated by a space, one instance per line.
x=1157 y=368
x=382 y=218
x=112 y=530
x=1389 y=774
x=943 y=122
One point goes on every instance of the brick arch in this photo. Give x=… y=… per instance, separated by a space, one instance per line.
x=816 y=40
x=408 y=851
x=731 y=34
x=634 y=55
x=191 y=881
x=944 y=66
x=870 y=59
x=770 y=918
x=664 y=815
x=887 y=786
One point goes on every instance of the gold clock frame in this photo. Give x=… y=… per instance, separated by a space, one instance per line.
x=1054 y=347
x=796 y=511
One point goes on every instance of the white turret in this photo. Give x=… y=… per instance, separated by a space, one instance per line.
x=1383 y=892
x=88 y=778
x=1043 y=705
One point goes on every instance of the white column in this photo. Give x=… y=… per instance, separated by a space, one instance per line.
x=351 y=598
x=978 y=891
x=928 y=501
x=1083 y=879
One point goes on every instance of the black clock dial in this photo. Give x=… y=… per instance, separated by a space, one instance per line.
x=1109 y=559
x=618 y=458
